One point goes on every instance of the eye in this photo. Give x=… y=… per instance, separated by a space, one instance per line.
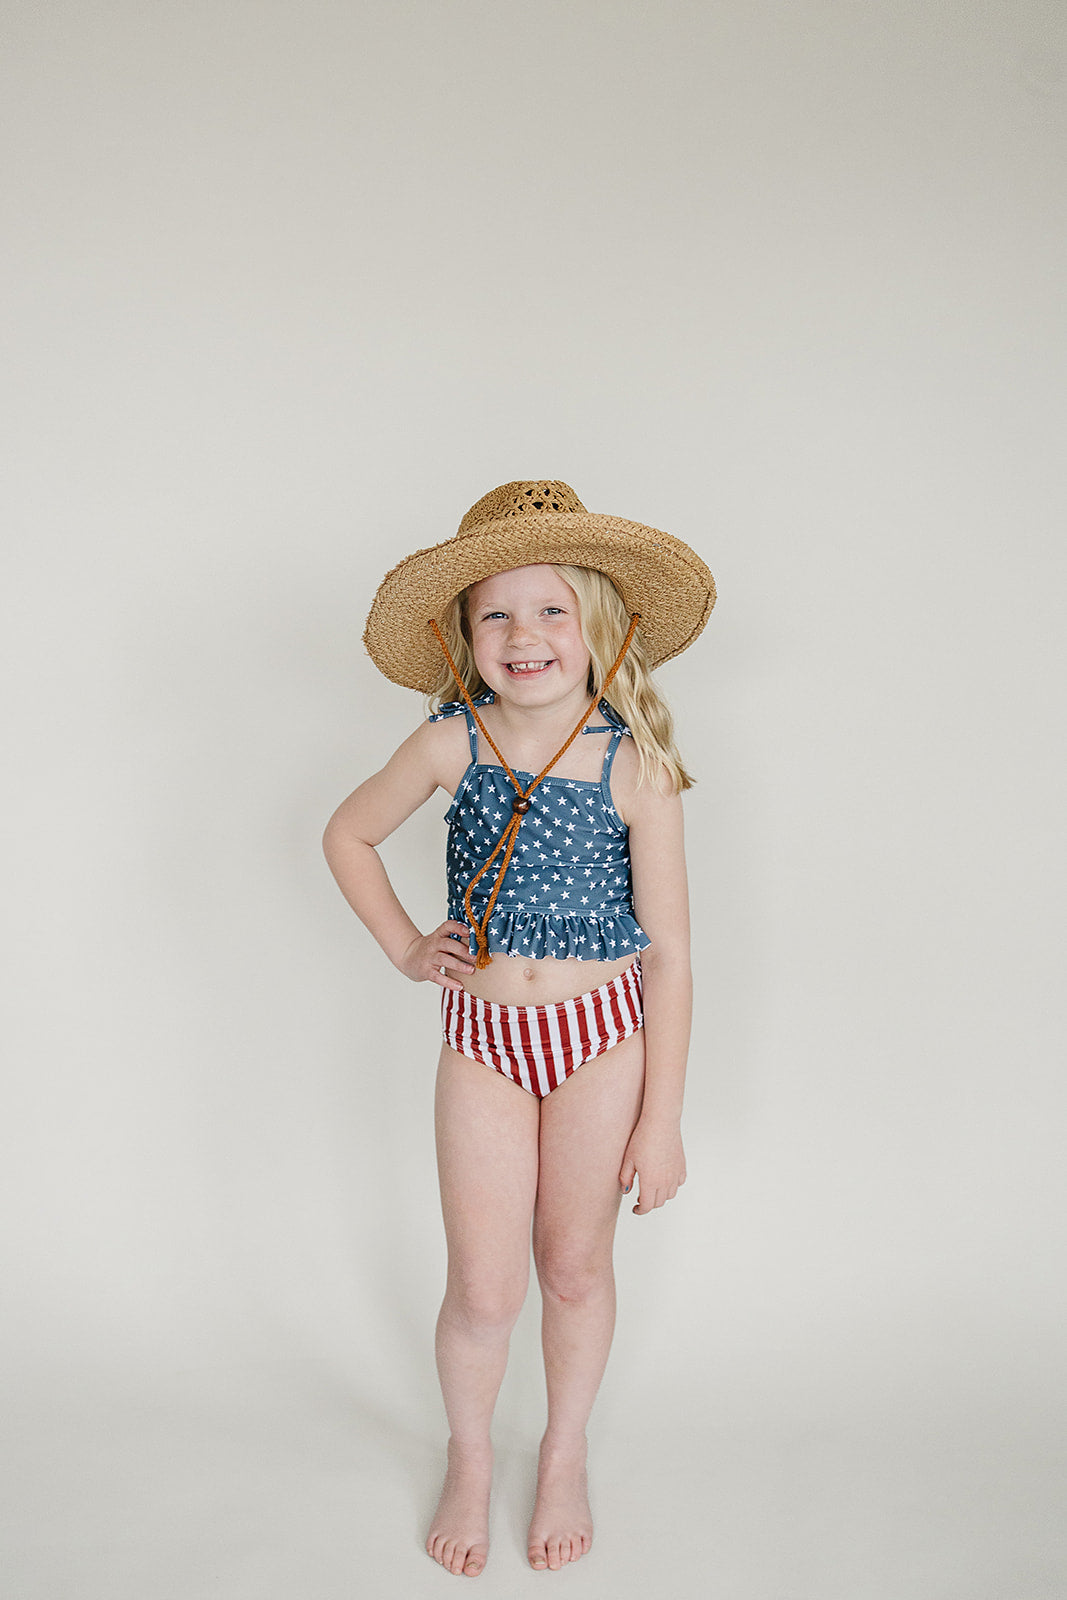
x=555 y=611
x=490 y=615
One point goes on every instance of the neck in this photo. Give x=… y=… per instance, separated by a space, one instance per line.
x=541 y=724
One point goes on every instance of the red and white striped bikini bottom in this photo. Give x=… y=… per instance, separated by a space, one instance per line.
x=538 y=1046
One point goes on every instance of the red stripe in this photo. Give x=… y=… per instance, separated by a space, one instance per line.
x=632 y=984
x=616 y=1010
x=509 y=1043
x=492 y=1044
x=547 y=1049
x=475 y=1009
x=580 y=1030
x=625 y=999
x=591 y=1025
x=631 y=1008
x=516 y=1047
x=639 y=993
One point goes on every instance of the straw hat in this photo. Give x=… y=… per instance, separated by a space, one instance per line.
x=519 y=525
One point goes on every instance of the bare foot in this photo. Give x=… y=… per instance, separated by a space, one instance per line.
x=459 y=1534
x=561 y=1528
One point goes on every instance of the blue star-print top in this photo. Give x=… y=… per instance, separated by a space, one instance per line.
x=568 y=889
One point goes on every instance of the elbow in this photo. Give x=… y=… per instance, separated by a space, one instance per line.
x=340 y=839
x=332 y=838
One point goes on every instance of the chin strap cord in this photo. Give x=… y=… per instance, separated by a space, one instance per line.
x=521 y=803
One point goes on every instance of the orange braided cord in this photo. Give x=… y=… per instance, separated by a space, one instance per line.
x=511 y=833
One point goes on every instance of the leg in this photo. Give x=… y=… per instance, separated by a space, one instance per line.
x=585 y=1126
x=487 y=1131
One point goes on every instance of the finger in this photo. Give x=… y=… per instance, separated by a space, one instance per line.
x=451 y=959
x=450 y=950
x=627 y=1175
x=443 y=951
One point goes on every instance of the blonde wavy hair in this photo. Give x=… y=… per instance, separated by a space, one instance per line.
x=604 y=622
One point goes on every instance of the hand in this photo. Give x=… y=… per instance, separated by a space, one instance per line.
x=655 y=1155
x=433 y=956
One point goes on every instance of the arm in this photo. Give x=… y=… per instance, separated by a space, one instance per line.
x=370 y=814
x=661 y=904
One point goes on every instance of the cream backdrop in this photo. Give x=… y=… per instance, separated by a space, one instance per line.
x=286 y=288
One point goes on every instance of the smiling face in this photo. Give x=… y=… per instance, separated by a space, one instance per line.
x=526 y=636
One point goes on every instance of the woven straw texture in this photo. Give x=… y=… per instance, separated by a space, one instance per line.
x=518 y=525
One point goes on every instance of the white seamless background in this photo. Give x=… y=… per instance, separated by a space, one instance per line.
x=285 y=289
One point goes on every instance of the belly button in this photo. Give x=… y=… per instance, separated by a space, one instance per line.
x=527 y=973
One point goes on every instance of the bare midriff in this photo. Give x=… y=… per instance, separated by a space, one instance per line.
x=513 y=981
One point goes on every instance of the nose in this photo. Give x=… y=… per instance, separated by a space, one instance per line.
x=521 y=631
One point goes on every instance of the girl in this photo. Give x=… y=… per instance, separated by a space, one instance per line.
x=560 y=1078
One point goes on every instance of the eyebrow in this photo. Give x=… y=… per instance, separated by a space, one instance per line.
x=500 y=605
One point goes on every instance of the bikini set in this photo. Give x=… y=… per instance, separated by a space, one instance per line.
x=562 y=885
x=568 y=894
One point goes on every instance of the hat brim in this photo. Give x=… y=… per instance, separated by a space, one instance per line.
x=655 y=573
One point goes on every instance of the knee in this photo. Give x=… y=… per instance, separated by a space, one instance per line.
x=484 y=1306
x=574 y=1277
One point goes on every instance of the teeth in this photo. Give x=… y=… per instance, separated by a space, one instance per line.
x=526 y=666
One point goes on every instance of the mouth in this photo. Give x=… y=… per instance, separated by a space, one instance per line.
x=527 y=669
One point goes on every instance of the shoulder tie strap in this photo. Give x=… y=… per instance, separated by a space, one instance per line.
x=609 y=759
x=472 y=732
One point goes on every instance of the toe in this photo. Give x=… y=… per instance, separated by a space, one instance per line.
x=538 y=1556
x=475 y=1562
